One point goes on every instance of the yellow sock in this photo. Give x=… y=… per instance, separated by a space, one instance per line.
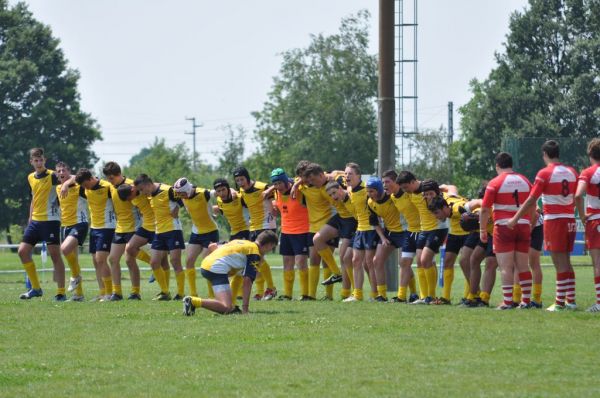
x=143 y=256
x=135 y=289
x=235 y=284
x=517 y=293
x=102 y=292
x=265 y=270
x=211 y=292
x=467 y=289
x=345 y=293
x=350 y=274
x=107 y=284
x=288 y=282
x=32 y=274
x=402 y=292
x=60 y=290
x=79 y=289
x=191 y=277
x=303 y=282
x=382 y=290
x=423 y=290
x=412 y=285
x=358 y=294
x=116 y=289
x=73 y=263
x=327 y=256
x=313 y=280
x=180 y=279
x=537 y=292
x=470 y=296
x=431 y=275
x=448 y=280
x=167 y=278
x=372 y=294
x=328 y=288
x=259 y=282
x=485 y=297
x=159 y=275
x=197 y=302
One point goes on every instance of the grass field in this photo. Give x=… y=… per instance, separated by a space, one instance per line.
x=292 y=348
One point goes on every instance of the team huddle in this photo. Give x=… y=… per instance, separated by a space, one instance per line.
x=319 y=212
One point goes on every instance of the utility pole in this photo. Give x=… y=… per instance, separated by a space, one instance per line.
x=193 y=134
x=450 y=131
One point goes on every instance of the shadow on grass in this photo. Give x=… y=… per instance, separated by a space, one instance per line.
x=272 y=312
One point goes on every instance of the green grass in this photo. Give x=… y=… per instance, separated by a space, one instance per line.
x=292 y=348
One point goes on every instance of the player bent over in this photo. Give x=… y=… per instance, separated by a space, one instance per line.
x=238 y=257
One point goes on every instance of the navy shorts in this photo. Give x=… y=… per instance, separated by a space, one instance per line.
x=294 y=244
x=254 y=234
x=144 y=233
x=204 y=239
x=537 y=238
x=244 y=235
x=455 y=242
x=122 y=238
x=168 y=241
x=346 y=226
x=365 y=240
x=42 y=231
x=215 y=279
x=396 y=238
x=335 y=242
x=432 y=239
x=472 y=240
x=410 y=244
x=101 y=239
x=489 y=246
x=78 y=231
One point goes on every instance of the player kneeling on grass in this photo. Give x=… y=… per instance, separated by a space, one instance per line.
x=238 y=257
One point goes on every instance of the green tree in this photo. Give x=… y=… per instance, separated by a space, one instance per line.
x=39 y=107
x=545 y=84
x=322 y=104
x=233 y=150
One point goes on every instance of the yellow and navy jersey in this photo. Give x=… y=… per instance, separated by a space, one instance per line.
x=102 y=214
x=73 y=208
x=45 y=206
x=490 y=227
x=200 y=211
x=128 y=217
x=457 y=208
x=319 y=205
x=235 y=213
x=142 y=203
x=236 y=257
x=428 y=220
x=387 y=211
x=163 y=201
x=259 y=208
x=409 y=215
x=340 y=208
x=357 y=204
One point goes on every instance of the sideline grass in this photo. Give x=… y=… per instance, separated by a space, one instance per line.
x=292 y=348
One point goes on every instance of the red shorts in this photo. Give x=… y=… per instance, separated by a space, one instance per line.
x=511 y=240
x=592 y=234
x=559 y=235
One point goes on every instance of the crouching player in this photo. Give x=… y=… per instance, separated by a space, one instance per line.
x=236 y=257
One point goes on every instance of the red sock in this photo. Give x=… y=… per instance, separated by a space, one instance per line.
x=507 y=292
x=571 y=288
x=597 y=283
x=562 y=281
x=525 y=280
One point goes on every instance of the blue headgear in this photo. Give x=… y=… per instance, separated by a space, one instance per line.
x=279 y=175
x=375 y=183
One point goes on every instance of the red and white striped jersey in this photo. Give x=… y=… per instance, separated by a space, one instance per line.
x=505 y=194
x=556 y=184
x=591 y=176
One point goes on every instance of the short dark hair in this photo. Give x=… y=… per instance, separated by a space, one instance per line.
x=142 y=179
x=593 y=149
x=124 y=191
x=301 y=167
x=437 y=203
x=36 y=153
x=82 y=175
x=430 y=185
x=220 y=182
x=482 y=188
x=313 y=169
x=504 y=160
x=63 y=165
x=405 y=177
x=266 y=237
x=332 y=184
x=551 y=149
x=111 y=169
x=355 y=167
x=391 y=174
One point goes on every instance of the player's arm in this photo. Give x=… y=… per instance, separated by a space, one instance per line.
x=177 y=201
x=526 y=208
x=473 y=204
x=30 y=211
x=295 y=188
x=216 y=210
x=579 y=199
x=449 y=189
x=268 y=192
x=486 y=211
x=64 y=189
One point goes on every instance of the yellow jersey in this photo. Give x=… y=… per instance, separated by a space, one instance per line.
x=357 y=204
x=73 y=208
x=128 y=218
x=163 y=201
x=428 y=220
x=235 y=213
x=259 y=208
x=340 y=208
x=102 y=214
x=319 y=205
x=199 y=209
x=142 y=203
x=236 y=257
x=45 y=206
x=457 y=208
x=409 y=215
x=387 y=211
